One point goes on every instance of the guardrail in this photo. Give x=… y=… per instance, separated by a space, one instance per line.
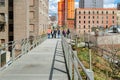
x=74 y=65
x=13 y=50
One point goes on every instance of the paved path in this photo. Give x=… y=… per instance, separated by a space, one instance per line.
x=45 y=62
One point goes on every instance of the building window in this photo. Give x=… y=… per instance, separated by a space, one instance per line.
x=84 y=12
x=113 y=12
x=97 y=12
x=106 y=26
x=93 y=17
x=89 y=22
x=102 y=12
x=113 y=22
x=79 y=21
x=79 y=12
x=88 y=17
x=93 y=21
x=112 y=17
x=10 y=14
x=2 y=2
x=102 y=22
x=106 y=12
x=84 y=21
x=89 y=12
x=93 y=12
x=89 y=26
x=79 y=17
x=32 y=27
x=84 y=26
x=106 y=22
x=79 y=26
x=2 y=41
x=84 y=17
x=106 y=17
x=2 y=28
x=79 y=31
x=97 y=21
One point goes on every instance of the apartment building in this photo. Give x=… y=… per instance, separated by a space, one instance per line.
x=87 y=18
x=66 y=12
x=91 y=4
x=22 y=18
x=118 y=13
x=38 y=14
x=3 y=21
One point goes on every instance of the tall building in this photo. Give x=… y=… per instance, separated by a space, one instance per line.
x=91 y=4
x=22 y=19
x=66 y=9
x=89 y=18
x=61 y=13
x=3 y=21
x=118 y=6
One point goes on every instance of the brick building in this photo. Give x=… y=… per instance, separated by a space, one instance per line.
x=87 y=18
x=22 y=19
x=3 y=21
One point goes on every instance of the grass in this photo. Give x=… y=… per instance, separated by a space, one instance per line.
x=101 y=68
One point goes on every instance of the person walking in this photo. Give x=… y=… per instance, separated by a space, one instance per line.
x=48 y=32
x=68 y=32
x=52 y=33
x=55 y=31
x=64 y=33
x=58 y=33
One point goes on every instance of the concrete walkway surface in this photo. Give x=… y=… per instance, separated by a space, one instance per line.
x=45 y=62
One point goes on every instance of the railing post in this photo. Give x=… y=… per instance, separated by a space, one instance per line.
x=90 y=74
x=0 y=57
x=13 y=51
x=76 y=64
x=70 y=62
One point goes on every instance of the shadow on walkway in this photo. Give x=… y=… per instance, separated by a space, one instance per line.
x=58 y=64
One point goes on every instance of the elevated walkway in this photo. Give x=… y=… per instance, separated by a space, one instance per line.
x=45 y=62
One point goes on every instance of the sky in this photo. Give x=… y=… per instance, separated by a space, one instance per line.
x=53 y=5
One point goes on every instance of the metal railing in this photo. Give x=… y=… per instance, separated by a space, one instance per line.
x=74 y=65
x=13 y=50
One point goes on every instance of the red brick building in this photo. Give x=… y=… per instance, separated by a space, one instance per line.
x=86 y=18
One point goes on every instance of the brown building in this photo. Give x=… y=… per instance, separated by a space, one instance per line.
x=86 y=19
x=3 y=21
x=22 y=19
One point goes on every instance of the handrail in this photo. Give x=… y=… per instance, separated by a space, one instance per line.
x=72 y=62
x=13 y=50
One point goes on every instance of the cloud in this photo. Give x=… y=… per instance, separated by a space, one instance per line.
x=76 y=4
x=109 y=3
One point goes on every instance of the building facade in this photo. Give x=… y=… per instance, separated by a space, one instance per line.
x=66 y=12
x=86 y=19
x=91 y=4
x=61 y=13
x=22 y=19
x=3 y=21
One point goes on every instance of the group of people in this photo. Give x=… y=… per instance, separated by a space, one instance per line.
x=55 y=33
